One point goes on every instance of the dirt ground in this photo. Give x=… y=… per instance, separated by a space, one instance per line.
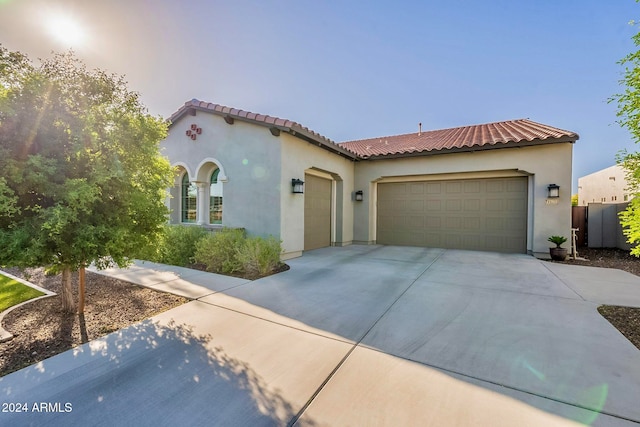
x=41 y=329
x=625 y=319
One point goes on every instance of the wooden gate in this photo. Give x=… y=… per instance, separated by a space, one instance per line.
x=579 y=221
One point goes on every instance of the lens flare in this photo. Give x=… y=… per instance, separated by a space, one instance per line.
x=66 y=29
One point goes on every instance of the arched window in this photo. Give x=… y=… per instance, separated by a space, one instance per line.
x=188 y=206
x=215 y=202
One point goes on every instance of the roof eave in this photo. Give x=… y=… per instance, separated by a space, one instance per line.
x=297 y=132
x=511 y=144
x=322 y=143
x=184 y=110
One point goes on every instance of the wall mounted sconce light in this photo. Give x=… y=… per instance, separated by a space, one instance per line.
x=554 y=191
x=359 y=196
x=297 y=186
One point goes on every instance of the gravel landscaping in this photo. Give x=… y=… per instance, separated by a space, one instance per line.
x=42 y=330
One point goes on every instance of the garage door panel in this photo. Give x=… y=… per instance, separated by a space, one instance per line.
x=495 y=186
x=454 y=205
x=400 y=189
x=434 y=187
x=385 y=222
x=317 y=212
x=472 y=205
x=416 y=188
x=388 y=191
x=416 y=222
x=495 y=205
x=471 y=187
x=453 y=223
x=433 y=222
x=481 y=214
x=399 y=223
x=516 y=185
x=515 y=224
x=416 y=205
x=472 y=224
x=494 y=224
x=453 y=187
x=434 y=205
x=516 y=206
x=385 y=206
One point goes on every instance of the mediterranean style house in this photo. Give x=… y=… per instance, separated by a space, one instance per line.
x=501 y=186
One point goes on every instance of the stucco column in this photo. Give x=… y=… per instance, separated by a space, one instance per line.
x=203 y=205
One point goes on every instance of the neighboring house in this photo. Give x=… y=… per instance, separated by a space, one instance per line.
x=604 y=186
x=482 y=187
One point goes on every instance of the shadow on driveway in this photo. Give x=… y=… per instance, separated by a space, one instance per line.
x=132 y=376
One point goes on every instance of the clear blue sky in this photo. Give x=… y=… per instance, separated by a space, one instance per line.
x=358 y=69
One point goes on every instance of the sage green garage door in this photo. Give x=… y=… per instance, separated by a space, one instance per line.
x=317 y=212
x=477 y=214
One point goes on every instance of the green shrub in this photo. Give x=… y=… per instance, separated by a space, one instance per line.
x=231 y=252
x=259 y=256
x=176 y=245
x=219 y=252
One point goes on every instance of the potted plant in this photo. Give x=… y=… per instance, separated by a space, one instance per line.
x=557 y=253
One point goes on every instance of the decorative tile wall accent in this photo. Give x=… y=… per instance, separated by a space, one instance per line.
x=194 y=131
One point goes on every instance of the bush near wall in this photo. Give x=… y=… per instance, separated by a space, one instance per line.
x=260 y=257
x=230 y=251
x=177 y=246
x=220 y=252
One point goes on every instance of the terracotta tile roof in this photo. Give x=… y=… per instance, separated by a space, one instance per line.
x=285 y=125
x=467 y=138
x=510 y=133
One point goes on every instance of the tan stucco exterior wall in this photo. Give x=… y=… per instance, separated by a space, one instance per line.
x=544 y=165
x=604 y=186
x=300 y=157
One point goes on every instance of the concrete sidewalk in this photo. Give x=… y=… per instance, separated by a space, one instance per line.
x=358 y=335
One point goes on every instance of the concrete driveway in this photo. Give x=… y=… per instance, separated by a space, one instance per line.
x=360 y=335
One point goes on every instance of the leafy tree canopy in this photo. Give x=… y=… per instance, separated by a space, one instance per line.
x=629 y=117
x=82 y=178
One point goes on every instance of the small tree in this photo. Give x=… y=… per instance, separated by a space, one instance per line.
x=629 y=117
x=82 y=178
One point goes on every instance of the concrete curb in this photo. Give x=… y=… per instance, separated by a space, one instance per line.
x=4 y=334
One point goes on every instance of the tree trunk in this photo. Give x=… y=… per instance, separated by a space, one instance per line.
x=81 y=291
x=68 y=306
